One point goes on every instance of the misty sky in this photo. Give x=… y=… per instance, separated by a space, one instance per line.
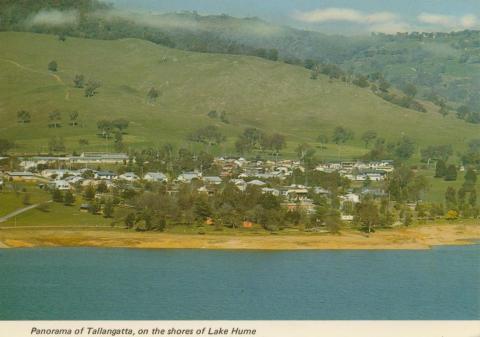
x=335 y=16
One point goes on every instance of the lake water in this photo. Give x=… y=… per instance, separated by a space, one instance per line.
x=103 y=284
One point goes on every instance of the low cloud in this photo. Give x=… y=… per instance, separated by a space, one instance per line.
x=54 y=18
x=449 y=21
x=385 y=22
x=344 y=14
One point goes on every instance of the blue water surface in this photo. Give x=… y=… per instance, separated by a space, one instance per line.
x=123 y=284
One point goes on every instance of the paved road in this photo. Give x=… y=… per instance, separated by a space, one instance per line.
x=18 y=211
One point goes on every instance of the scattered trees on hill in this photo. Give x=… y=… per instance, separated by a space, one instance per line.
x=436 y=152
x=106 y=127
x=210 y=135
x=23 y=116
x=223 y=116
x=255 y=139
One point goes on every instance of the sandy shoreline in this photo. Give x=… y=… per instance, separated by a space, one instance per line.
x=418 y=237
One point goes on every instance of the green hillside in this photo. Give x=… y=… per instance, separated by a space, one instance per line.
x=254 y=92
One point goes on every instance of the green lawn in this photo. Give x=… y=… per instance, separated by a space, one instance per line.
x=438 y=186
x=11 y=200
x=58 y=215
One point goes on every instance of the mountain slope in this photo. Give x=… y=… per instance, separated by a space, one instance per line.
x=255 y=92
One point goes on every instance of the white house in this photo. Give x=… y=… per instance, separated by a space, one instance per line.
x=240 y=183
x=351 y=197
x=155 y=177
x=57 y=173
x=256 y=183
x=129 y=176
x=187 y=177
x=212 y=180
x=105 y=175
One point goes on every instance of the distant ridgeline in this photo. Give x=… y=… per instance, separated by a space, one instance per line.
x=404 y=69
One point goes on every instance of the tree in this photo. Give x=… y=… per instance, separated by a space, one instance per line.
x=452 y=215
x=121 y=124
x=26 y=199
x=202 y=209
x=440 y=169
x=274 y=142
x=105 y=128
x=57 y=195
x=342 y=135
x=436 y=152
x=224 y=118
x=74 y=118
x=152 y=95
x=130 y=220
x=56 y=144
x=322 y=139
x=5 y=145
x=23 y=116
x=68 y=198
x=472 y=200
x=108 y=208
x=53 y=66
x=383 y=85
x=91 y=88
x=89 y=192
x=305 y=153
x=463 y=111
x=366 y=213
x=470 y=179
x=361 y=81
x=405 y=148
x=410 y=90
x=451 y=198
x=369 y=136
x=78 y=81
x=55 y=119
x=119 y=146
x=451 y=173
x=209 y=135
x=212 y=114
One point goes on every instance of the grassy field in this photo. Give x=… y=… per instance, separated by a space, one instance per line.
x=11 y=200
x=58 y=215
x=269 y=95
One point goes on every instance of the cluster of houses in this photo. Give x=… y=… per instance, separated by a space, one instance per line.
x=238 y=171
x=359 y=170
